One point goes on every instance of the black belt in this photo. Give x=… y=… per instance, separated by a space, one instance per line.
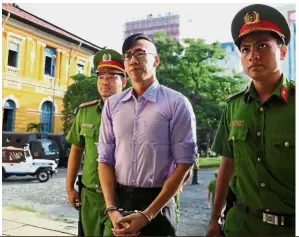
x=94 y=190
x=278 y=219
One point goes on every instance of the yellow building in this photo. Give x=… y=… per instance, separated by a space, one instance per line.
x=38 y=59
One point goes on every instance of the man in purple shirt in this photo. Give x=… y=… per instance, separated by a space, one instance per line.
x=144 y=130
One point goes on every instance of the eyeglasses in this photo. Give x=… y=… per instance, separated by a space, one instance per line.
x=138 y=54
x=110 y=77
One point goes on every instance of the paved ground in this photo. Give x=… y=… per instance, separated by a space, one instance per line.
x=51 y=198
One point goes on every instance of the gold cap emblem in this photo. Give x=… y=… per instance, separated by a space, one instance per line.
x=252 y=18
x=106 y=57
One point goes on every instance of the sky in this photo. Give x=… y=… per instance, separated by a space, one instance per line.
x=103 y=23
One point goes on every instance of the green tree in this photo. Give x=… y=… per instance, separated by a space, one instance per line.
x=34 y=126
x=191 y=67
x=84 y=89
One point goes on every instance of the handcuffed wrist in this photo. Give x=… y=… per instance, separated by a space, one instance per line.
x=147 y=216
x=112 y=208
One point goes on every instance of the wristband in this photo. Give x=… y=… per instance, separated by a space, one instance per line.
x=110 y=209
x=147 y=217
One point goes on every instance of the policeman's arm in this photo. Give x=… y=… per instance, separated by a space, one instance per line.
x=225 y=173
x=74 y=163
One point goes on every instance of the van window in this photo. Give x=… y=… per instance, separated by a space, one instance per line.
x=50 y=147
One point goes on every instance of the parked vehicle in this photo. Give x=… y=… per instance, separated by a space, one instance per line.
x=40 y=147
x=63 y=146
x=19 y=162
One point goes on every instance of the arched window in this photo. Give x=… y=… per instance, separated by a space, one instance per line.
x=9 y=116
x=47 y=116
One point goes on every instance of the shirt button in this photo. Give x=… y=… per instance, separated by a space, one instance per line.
x=259 y=159
x=261 y=109
x=263 y=185
x=258 y=134
x=286 y=144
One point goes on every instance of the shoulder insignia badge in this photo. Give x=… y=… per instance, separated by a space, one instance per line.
x=88 y=103
x=235 y=95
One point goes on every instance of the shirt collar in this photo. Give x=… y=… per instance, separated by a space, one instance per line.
x=100 y=105
x=281 y=91
x=150 y=94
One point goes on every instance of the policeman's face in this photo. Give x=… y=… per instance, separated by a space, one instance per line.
x=261 y=55
x=143 y=66
x=110 y=81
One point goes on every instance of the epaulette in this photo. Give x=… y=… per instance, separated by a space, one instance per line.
x=88 y=103
x=293 y=84
x=235 y=95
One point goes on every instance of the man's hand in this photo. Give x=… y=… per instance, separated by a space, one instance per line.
x=214 y=229
x=133 y=224
x=74 y=198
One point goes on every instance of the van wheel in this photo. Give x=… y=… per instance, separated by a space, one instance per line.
x=43 y=176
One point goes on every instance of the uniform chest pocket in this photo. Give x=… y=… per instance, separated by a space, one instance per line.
x=283 y=153
x=238 y=137
x=87 y=133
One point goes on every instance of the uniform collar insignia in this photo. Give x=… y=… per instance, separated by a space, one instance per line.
x=284 y=93
x=252 y=18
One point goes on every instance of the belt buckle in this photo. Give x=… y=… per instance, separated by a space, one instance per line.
x=270 y=219
x=99 y=190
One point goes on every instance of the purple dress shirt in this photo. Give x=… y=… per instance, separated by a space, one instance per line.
x=144 y=137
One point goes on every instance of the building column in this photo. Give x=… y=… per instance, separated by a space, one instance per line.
x=58 y=65
x=27 y=52
x=4 y=50
x=41 y=60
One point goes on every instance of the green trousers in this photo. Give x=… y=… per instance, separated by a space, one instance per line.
x=94 y=222
x=177 y=199
x=243 y=224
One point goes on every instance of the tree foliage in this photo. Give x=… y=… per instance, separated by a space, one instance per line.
x=84 y=89
x=191 y=67
x=38 y=127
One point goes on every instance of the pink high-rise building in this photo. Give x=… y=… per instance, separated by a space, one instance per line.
x=169 y=23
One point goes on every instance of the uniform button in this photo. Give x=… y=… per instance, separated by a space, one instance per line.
x=258 y=134
x=286 y=144
x=263 y=185
x=84 y=134
x=233 y=138
x=261 y=109
x=259 y=159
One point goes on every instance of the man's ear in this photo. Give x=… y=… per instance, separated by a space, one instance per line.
x=124 y=82
x=283 y=52
x=157 y=61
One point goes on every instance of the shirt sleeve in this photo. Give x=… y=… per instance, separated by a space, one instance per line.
x=183 y=132
x=73 y=136
x=106 y=145
x=221 y=144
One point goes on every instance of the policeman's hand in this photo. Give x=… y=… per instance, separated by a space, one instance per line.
x=214 y=229
x=136 y=222
x=74 y=198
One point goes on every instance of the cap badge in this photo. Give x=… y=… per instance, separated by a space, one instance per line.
x=106 y=57
x=252 y=18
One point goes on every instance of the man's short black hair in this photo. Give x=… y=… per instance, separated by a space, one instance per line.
x=131 y=39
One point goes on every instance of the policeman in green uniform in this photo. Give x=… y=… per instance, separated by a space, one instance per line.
x=83 y=136
x=256 y=134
